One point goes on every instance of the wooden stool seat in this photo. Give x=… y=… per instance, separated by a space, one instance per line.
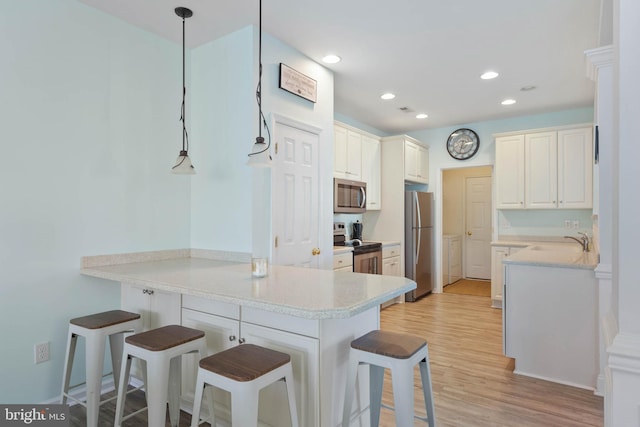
x=161 y=349
x=164 y=338
x=243 y=371
x=244 y=362
x=390 y=344
x=95 y=329
x=104 y=319
x=399 y=353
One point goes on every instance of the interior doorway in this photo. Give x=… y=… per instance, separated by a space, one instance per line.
x=466 y=214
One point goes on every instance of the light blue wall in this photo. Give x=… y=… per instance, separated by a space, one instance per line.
x=89 y=109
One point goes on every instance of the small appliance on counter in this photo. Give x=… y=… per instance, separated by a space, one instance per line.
x=357 y=231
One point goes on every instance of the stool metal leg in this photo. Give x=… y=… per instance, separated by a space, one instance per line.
x=291 y=396
x=95 y=346
x=157 y=390
x=122 y=389
x=402 y=375
x=116 y=342
x=425 y=375
x=68 y=363
x=352 y=371
x=174 y=390
x=197 y=404
x=376 y=380
x=244 y=407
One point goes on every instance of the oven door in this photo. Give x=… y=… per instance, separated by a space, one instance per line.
x=370 y=263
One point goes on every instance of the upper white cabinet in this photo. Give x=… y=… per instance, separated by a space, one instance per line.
x=416 y=162
x=545 y=170
x=357 y=157
x=371 y=171
x=347 y=155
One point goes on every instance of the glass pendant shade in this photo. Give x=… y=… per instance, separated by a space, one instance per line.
x=183 y=165
x=259 y=157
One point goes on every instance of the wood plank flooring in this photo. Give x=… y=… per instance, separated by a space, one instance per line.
x=481 y=288
x=473 y=382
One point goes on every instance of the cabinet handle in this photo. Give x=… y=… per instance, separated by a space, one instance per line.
x=340 y=262
x=147 y=291
x=232 y=337
x=241 y=340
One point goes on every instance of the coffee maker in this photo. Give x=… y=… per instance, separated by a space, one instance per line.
x=357 y=231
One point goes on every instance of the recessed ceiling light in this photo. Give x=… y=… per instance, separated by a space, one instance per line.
x=331 y=59
x=421 y=116
x=387 y=96
x=489 y=75
x=508 y=102
x=528 y=88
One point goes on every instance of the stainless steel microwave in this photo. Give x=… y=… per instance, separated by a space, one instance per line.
x=349 y=196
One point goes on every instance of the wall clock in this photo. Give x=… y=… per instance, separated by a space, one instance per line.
x=463 y=144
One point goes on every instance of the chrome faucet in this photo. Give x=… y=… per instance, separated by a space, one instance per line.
x=584 y=240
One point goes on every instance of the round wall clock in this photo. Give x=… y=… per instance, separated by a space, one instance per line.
x=463 y=144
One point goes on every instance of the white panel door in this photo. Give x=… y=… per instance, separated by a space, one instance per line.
x=295 y=197
x=478 y=220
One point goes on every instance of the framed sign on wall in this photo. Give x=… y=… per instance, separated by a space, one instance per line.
x=297 y=83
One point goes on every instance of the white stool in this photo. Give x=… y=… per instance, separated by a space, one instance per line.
x=160 y=349
x=400 y=353
x=95 y=328
x=243 y=371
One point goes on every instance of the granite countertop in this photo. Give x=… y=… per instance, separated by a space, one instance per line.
x=564 y=255
x=301 y=292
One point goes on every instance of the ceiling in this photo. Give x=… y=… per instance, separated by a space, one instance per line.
x=430 y=53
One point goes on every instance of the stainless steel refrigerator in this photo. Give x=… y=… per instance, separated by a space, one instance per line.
x=418 y=238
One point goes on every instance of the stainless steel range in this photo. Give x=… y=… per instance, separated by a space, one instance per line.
x=367 y=256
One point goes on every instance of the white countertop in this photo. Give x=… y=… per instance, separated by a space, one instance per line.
x=302 y=292
x=565 y=255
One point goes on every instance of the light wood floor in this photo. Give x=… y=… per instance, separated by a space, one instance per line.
x=481 y=288
x=473 y=382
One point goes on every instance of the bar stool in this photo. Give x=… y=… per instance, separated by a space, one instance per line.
x=160 y=349
x=95 y=328
x=400 y=353
x=243 y=371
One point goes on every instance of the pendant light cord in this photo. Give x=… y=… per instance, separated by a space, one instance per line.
x=261 y=119
x=185 y=135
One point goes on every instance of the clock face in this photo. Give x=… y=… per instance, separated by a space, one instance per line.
x=463 y=144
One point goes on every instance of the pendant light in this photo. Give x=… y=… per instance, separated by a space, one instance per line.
x=259 y=156
x=183 y=164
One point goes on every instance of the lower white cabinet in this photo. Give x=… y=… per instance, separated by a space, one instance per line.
x=156 y=308
x=391 y=261
x=498 y=253
x=343 y=262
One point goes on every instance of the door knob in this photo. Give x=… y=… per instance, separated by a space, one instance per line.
x=469 y=233
x=315 y=251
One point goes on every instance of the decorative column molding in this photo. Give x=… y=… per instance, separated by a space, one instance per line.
x=597 y=58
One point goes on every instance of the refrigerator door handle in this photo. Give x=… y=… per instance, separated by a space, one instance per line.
x=415 y=201
x=419 y=231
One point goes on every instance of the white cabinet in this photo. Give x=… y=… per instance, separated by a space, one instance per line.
x=371 y=171
x=391 y=260
x=416 y=162
x=343 y=262
x=451 y=258
x=498 y=253
x=509 y=169
x=347 y=161
x=575 y=168
x=157 y=308
x=545 y=170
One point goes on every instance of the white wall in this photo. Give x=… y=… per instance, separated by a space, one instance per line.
x=89 y=111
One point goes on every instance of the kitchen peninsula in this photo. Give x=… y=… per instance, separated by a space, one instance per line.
x=310 y=314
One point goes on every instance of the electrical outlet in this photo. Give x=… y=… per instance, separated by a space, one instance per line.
x=576 y=224
x=567 y=224
x=41 y=352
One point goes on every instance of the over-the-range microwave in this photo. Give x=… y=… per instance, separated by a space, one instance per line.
x=349 y=196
